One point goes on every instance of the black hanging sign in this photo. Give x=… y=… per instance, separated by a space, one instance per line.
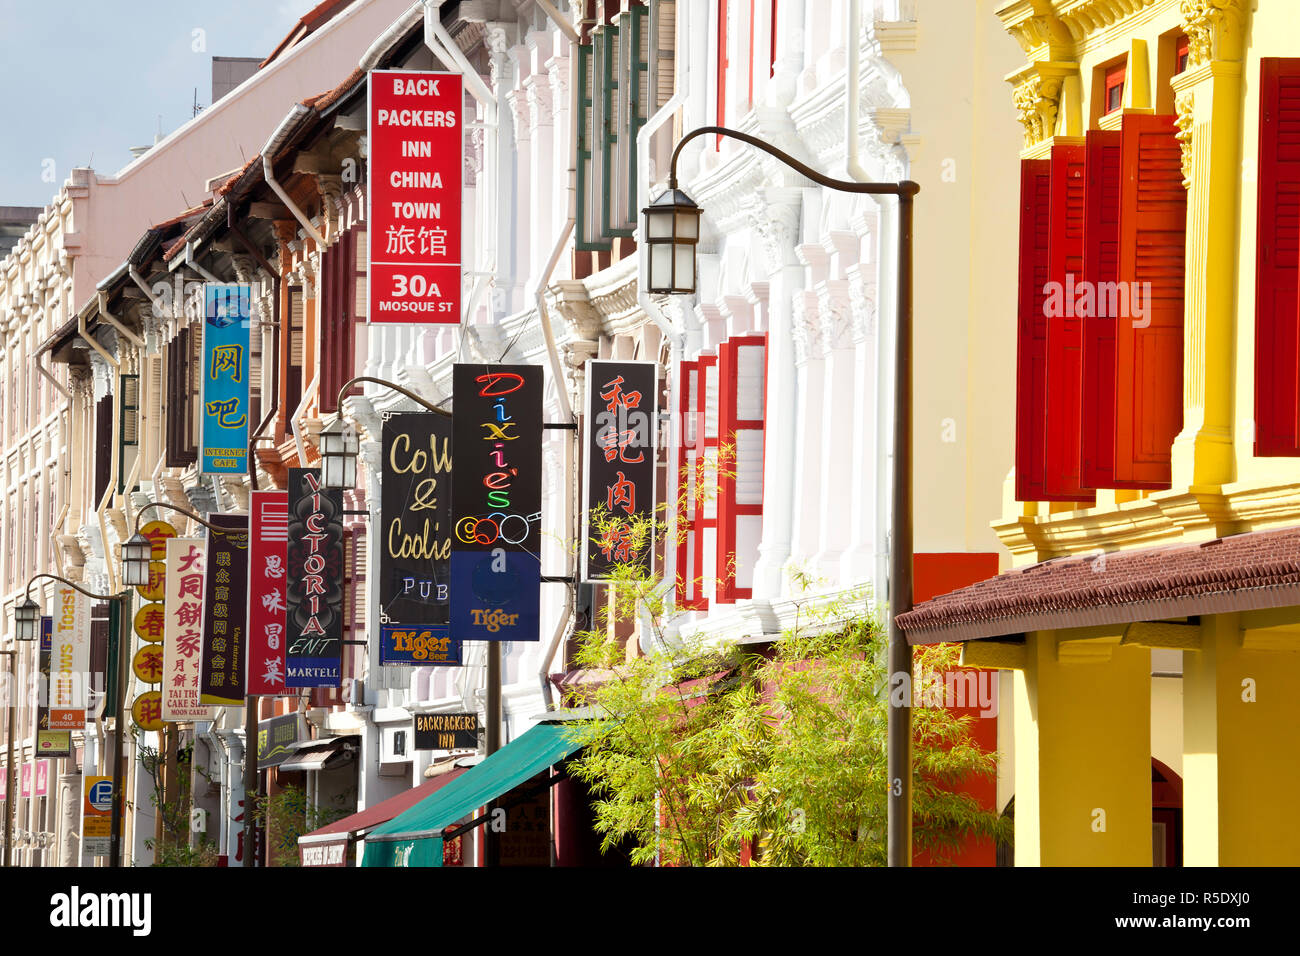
x=225 y=612
x=415 y=544
x=619 y=467
x=315 y=585
x=446 y=731
x=496 y=502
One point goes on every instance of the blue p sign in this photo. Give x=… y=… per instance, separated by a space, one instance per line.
x=101 y=796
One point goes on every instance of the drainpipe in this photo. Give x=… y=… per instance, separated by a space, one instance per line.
x=108 y=492
x=197 y=266
x=443 y=46
x=370 y=59
x=158 y=307
x=268 y=156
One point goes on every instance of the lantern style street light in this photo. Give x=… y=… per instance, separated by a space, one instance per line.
x=137 y=551
x=339 y=446
x=338 y=453
x=671 y=235
x=27 y=617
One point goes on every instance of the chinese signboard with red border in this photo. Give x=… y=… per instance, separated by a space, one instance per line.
x=225 y=612
x=415 y=151
x=183 y=636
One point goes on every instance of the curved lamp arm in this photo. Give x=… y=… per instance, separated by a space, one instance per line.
x=75 y=587
x=844 y=185
x=139 y=518
x=395 y=387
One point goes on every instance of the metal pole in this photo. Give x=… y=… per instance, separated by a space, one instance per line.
x=9 y=755
x=119 y=725
x=250 y=779
x=491 y=846
x=899 y=759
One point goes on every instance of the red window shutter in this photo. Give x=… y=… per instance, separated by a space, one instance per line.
x=696 y=499
x=1277 y=382
x=1031 y=337
x=1152 y=244
x=742 y=373
x=1064 y=329
x=722 y=67
x=1100 y=265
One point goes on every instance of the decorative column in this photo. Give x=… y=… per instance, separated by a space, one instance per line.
x=841 y=432
x=1208 y=97
x=810 y=371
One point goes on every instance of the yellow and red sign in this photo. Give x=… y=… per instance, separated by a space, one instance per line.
x=147 y=710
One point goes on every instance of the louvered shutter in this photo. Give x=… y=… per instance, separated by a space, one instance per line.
x=697 y=498
x=742 y=367
x=1277 y=347
x=1031 y=328
x=1152 y=244
x=662 y=54
x=1100 y=265
x=1064 y=329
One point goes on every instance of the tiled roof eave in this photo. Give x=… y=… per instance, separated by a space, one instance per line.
x=1214 y=602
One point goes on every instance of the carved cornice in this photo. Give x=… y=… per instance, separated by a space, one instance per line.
x=1215 y=29
x=806 y=327
x=1036 y=93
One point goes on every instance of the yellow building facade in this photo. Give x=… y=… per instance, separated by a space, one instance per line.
x=1122 y=755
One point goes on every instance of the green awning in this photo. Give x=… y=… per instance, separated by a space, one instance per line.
x=414 y=838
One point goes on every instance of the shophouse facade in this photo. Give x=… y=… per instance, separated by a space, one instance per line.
x=1150 y=615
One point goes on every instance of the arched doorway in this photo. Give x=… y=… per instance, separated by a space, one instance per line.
x=1166 y=816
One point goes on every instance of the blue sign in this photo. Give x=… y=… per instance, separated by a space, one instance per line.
x=227 y=310
x=101 y=796
x=428 y=645
x=47 y=637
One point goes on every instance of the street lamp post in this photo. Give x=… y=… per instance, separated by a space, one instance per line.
x=137 y=553
x=21 y=633
x=27 y=622
x=671 y=235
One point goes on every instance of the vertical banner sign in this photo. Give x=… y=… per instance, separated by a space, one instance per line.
x=226 y=310
x=183 y=636
x=69 y=660
x=315 y=588
x=619 y=467
x=268 y=563
x=415 y=550
x=415 y=151
x=496 y=502
x=225 y=612
x=150 y=623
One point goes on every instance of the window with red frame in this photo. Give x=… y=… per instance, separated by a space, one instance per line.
x=342 y=305
x=742 y=373
x=720 y=469
x=1182 y=52
x=1114 y=86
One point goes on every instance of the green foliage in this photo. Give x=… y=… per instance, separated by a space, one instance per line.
x=175 y=811
x=699 y=751
x=289 y=814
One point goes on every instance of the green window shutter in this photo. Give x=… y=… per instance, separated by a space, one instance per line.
x=607 y=100
x=634 y=104
x=128 y=430
x=587 y=214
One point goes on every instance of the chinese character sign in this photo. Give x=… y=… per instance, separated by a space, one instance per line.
x=43 y=663
x=415 y=152
x=268 y=581
x=227 y=309
x=69 y=660
x=415 y=550
x=183 y=634
x=619 y=466
x=496 y=502
x=225 y=612
x=315 y=582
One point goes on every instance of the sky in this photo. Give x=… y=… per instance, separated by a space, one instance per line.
x=82 y=81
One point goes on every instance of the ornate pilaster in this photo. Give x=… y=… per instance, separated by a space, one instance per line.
x=1215 y=30
x=807 y=328
x=1184 y=106
x=775 y=220
x=1036 y=93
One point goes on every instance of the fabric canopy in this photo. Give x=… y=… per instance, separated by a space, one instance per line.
x=414 y=838
x=381 y=812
